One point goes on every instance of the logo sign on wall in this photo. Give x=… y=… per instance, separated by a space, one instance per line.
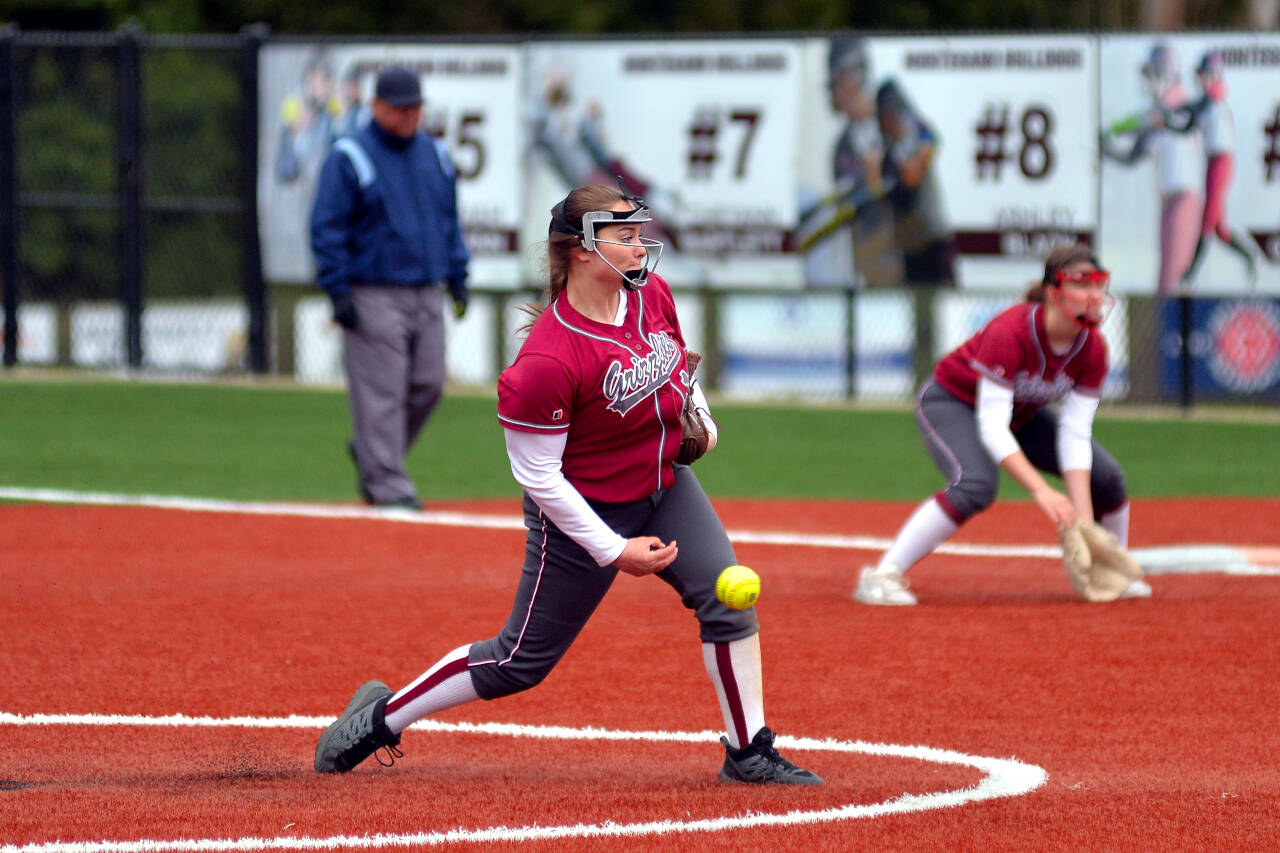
x=312 y=95
x=1235 y=346
x=981 y=147
x=704 y=131
x=1191 y=172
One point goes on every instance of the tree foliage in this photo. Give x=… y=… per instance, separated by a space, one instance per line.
x=592 y=17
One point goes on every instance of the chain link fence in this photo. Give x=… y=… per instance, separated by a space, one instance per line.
x=128 y=217
x=128 y=172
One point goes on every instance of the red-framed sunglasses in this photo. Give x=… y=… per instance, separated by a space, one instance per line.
x=1091 y=278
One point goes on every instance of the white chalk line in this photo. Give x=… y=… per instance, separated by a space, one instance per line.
x=1225 y=559
x=1004 y=777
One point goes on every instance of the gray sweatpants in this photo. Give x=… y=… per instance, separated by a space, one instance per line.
x=561 y=585
x=395 y=366
x=949 y=428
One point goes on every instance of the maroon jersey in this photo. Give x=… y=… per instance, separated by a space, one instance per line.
x=616 y=390
x=1013 y=350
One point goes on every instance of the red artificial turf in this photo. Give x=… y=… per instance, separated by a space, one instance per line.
x=1153 y=719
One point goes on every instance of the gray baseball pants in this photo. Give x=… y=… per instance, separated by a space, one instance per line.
x=949 y=428
x=395 y=366
x=561 y=585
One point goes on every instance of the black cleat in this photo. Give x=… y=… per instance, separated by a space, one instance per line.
x=758 y=763
x=360 y=732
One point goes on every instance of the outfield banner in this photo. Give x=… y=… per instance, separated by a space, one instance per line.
x=312 y=95
x=705 y=131
x=1234 y=347
x=831 y=161
x=1191 y=133
x=960 y=159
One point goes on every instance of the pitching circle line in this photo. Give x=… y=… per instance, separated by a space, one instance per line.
x=1005 y=777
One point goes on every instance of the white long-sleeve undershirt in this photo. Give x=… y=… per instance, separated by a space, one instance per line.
x=536 y=465
x=1075 y=431
x=994 y=411
x=1075 y=425
x=701 y=406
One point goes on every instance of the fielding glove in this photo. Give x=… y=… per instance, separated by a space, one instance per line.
x=1097 y=567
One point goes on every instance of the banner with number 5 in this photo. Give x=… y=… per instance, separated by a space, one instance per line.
x=959 y=160
x=704 y=131
x=313 y=94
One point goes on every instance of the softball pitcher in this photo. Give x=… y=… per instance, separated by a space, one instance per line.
x=984 y=410
x=591 y=412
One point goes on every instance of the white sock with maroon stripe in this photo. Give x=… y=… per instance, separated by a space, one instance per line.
x=1117 y=521
x=445 y=685
x=926 y=529
x=735 y=671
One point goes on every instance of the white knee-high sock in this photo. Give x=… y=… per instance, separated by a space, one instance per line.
x=1117 y=521
x=445 y=685
x=926 y=529
x=735 y=671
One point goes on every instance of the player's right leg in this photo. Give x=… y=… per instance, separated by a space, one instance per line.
x=950 y=433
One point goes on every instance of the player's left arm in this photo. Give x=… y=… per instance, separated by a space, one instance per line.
x=703 y=408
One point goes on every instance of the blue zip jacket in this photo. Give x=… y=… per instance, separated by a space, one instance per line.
x=386 y=211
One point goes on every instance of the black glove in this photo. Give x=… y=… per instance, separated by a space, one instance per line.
x=461 y=296
x=344 y=311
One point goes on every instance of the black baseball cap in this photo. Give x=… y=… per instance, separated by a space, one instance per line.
x=398 y=87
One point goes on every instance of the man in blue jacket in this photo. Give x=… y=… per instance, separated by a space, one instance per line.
x=387 y=241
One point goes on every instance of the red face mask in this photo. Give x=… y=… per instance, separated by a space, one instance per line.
x=1095 y=278
x=1089 y=278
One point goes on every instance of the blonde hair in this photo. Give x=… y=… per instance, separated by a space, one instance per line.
x=561 y=244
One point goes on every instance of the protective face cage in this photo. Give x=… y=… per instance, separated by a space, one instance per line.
x=595 y=219
x=1098 y=278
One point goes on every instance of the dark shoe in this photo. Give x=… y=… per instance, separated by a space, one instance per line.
x=364 y=490
x=758 y=763
x=360 y=732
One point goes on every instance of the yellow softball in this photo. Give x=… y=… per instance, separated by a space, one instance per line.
x=738 y=587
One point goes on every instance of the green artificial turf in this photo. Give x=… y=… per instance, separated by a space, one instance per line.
x=286 y=443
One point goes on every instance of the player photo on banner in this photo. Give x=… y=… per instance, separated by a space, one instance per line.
x=1191 y=162
x=313 y=95
x=703 y=131
x=959 y=160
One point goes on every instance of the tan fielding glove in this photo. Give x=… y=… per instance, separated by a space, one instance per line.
x=1098 y=568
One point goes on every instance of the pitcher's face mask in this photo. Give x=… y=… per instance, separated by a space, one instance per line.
x=594 y=221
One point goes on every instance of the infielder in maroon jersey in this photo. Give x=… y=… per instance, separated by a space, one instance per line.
x=591 y=411
x=984 y=410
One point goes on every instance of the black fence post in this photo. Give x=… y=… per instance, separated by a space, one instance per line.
x=851 y=343
x=255 y=292
x=9 y=263
x=1185 y=361
x=922 y=354
x=130 y=186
